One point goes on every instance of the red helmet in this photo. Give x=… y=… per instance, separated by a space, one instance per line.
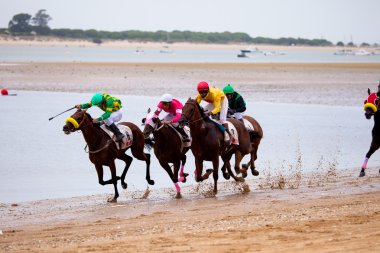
x=203 y=86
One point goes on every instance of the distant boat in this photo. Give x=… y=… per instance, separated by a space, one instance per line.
x=344 y=52
x=362 y=52
x=166 y=50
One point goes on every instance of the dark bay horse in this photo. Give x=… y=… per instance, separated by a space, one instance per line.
x=208 y=141
x=103 y=151
x=371 y=109
x=255 y=137
x=167 y=148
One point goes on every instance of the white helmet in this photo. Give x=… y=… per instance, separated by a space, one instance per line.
x=166 y=98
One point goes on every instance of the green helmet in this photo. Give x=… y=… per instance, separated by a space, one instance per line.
x=96 y=99
x=228 y=89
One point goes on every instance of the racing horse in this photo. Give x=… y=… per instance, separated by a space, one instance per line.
x=255 y=136
x=371 y=109
x=208 y=141
x=103 y=151
x=168 y=148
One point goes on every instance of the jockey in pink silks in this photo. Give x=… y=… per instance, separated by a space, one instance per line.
x=173 y=108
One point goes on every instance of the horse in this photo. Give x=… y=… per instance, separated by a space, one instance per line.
x=255 y=137
x=208 y=141
x=103 y=150
x=371 y=109
x=168 y=148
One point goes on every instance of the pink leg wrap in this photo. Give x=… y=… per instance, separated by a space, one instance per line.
x=364 y=165
x=177 y=187
x=181 y=178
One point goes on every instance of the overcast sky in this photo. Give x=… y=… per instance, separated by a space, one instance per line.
x=334 y=20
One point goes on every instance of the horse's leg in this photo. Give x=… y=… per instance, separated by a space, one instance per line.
x=227 y=159
x=252 y=162
x=147 y=173
x=244 y=168
x=182 y=175
x=138 y=152
x=224 y=167
x=128 y=160
x=114 y=181
x=215 y=165
x=176 y=165
x=372 y=149
x=198 y=169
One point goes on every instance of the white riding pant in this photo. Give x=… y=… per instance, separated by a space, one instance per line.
x=114 y=117
x=239 y=115
x=223 y=110
x=170 y=117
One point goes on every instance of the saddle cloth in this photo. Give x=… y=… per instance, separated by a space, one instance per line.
x=187 y=131
x=248 y=125
x=127 y=140
x=234 y=133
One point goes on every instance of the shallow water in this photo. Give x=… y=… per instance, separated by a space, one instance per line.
x=38 y=161
x=106 y=54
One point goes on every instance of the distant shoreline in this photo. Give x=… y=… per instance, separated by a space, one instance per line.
x=52 y=42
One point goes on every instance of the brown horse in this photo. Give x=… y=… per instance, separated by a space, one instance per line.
x=167 y=148
x=255 y=137
x=371 y=109
x=208 y=141
x=103 y=151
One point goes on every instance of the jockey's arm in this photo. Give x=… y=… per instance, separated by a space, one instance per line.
x=217 y=105
x=178 y=114
x=198 y=98
x=86 y=105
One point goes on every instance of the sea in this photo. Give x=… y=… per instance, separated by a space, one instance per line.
x=106 y=54
x=38 y=161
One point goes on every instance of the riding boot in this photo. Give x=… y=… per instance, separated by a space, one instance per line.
x=181 y=130
x=116 y=131
x=228 y=136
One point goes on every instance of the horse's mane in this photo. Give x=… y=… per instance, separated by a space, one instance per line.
x=199 y=108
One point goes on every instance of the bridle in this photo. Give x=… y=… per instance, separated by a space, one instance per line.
x=188 y=119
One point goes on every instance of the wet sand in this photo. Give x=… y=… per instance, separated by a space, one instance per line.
x=327 y=211
x=314 y=83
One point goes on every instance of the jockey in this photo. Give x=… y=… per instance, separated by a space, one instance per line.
x=111 y=107
x=236 y=103
x=174 y=109
x=216 y=102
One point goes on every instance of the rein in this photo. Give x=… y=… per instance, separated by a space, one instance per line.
x=195 y=120
x=100 y=149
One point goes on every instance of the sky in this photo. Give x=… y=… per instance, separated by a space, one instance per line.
x=333 y=20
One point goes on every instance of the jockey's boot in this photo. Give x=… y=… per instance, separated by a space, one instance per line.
x=181 y=130
x=116 y=131
x=227 y=135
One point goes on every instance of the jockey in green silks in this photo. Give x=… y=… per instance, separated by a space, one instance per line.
x=111 y=107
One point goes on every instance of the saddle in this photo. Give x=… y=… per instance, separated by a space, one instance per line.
x=231 y=129
x=127 y=140
x=187 y=131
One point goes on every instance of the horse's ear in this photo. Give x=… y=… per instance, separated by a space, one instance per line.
x=369 y=91
x=143 y=120
x=149 y=110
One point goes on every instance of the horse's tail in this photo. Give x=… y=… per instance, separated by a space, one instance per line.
x=148 y=143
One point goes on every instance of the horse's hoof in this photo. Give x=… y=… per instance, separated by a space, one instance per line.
x=125 y=186
x=178 y=196
x=237 y=170
x=209 y=171
x=112 y=200
x=226 y=175
x=182 y=179
x=150 y=181
x=362 y=174
x=255 y=172
x=240 y=179
x=185 y=175
x=244 y=174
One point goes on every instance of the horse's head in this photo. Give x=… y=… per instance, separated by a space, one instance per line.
x=77 y=121
x=151 y=121
x=371 y=104
x=191 y=112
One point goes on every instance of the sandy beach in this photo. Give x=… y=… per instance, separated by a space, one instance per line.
x=325 y=211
